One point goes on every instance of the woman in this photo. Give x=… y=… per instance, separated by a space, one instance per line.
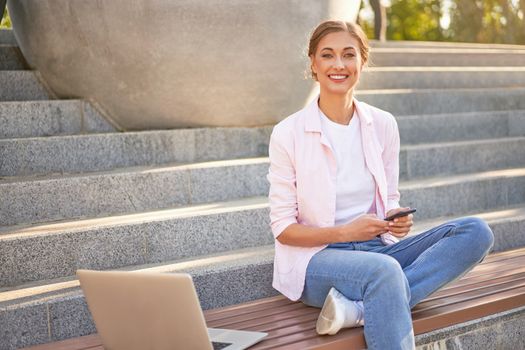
x=334 y=169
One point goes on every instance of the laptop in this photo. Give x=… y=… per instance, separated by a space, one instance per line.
x=157 y=311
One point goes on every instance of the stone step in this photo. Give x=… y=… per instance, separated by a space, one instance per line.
x=7 y=37
x=443 y=57
x=445 y=196
x=128 y=190
x=99 y=152
x=435 y=159
x=440 y=101
x=11 y=58
x=21 y=85
x=47 y=118
x=38 y=252
x=56 y=250
x=441 y=77
x=442 y=44
x=460 y=126
x=55 y=309
x=29 y=119
x=507 y=224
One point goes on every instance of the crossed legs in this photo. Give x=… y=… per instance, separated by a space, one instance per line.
x=390 y=280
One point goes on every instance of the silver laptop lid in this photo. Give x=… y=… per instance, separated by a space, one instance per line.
x=144 y=310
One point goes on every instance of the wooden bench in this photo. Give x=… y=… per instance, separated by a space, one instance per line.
x=496 y=285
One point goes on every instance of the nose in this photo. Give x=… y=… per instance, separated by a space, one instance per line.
x=338 y=63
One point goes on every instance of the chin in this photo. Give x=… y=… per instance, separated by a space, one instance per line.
x=338 y=91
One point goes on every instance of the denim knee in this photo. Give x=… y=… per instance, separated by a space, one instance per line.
x=482 y=235
x=388 y=275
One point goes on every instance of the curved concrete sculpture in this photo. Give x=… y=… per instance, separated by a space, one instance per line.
x=153 y=64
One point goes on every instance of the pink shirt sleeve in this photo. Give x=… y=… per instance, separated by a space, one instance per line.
x=391 y=164
x=281 y=175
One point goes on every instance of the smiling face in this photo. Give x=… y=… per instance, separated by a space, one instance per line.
x=337 y=63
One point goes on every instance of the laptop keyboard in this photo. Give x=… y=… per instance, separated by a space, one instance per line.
x=218 y=346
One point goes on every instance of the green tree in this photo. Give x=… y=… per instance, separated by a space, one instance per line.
x=488 y=21
x=415 y=20
x=367 y=26
x=5 y=23
x=484 y=21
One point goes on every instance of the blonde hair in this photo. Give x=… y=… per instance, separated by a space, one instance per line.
x=330 y=26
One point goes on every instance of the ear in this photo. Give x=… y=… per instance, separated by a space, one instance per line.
x=363 y=65
x=312 y=64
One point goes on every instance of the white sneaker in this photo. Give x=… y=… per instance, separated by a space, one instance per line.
x=339 y=312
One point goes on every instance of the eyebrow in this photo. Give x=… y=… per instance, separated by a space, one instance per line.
x=346 y=48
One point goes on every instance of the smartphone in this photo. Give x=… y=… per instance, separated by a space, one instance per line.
x=400 y=214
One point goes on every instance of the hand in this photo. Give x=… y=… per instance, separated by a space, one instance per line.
x=400 y=227
x=364 y=228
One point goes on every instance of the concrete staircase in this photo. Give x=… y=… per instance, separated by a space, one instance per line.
x=75 y=193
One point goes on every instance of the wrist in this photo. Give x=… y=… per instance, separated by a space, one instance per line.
x=343 y=233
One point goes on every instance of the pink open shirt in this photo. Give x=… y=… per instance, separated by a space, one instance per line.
x=302 y=178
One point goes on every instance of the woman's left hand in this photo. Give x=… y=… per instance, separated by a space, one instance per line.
x=400 y=227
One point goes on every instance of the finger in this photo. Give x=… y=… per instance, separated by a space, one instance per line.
x=399 y=234
x=379 y=222
x=400 y=231
x=401 y=224
x=401 y=227
x=404 y=218
x=384 y=228
x=381 y=232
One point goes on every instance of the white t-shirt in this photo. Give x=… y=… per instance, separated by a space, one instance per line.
x=355 y=187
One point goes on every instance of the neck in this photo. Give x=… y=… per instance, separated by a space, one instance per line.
x=338 y=108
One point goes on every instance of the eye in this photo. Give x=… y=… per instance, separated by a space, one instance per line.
x=349 y=55
x=326 y=55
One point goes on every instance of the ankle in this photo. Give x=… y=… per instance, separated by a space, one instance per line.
x=361 y=308
x=354 y=313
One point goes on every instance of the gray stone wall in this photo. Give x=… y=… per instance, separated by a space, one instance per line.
x=503 y=331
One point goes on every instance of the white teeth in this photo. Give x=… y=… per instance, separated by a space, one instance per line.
x=338 y=76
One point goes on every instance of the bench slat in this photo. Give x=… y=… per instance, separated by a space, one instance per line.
x=466 y=297
x=486 y=273
x=489 y=267
x=453 y=314
x=518 y=252
x=87 y=342
x=346 y=339
x=283 y=326
x=250 y=314
x=271 y=319
x=284 y=323
x=476 y=286
x=260 y=304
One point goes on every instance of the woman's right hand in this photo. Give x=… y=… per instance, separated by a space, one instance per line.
x=364 y=228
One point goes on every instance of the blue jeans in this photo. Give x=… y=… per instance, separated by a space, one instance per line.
x=392 y=279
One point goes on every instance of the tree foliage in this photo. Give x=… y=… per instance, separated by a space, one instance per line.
x=414 y=20
x=5 y=22
x=488 y=21
x=367 y=26
x=484 y=21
